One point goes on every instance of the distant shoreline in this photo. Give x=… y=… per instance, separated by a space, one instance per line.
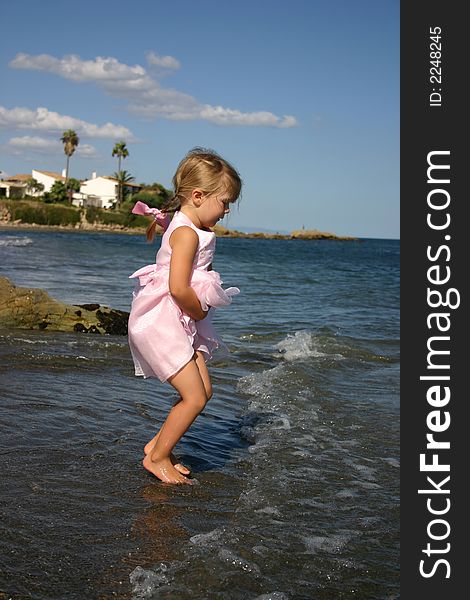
x=219 y=231
x=5 y=226
x=32 y=215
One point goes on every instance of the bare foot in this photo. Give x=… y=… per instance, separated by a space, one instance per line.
x=174 y=461
x=164 y=470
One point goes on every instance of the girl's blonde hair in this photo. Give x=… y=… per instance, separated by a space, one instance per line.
x=204 y=169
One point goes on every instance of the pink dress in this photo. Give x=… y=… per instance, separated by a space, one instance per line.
x=163 y=338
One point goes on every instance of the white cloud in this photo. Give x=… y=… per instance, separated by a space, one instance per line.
x=42 y=119
x=73 y=67
x=144 y=94
x=33 y=143
x=227 y=116
x=87 y=151
x=168 y=62
x=39 y=145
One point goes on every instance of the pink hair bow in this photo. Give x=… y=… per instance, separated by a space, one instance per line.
x=140 y=208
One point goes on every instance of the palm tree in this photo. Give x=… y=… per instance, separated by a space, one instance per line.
x=122 y=177
x=70 y=140
x=121 y=152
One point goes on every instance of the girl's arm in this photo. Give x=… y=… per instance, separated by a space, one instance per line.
x=184 y=242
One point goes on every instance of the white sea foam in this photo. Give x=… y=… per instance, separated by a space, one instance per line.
x=263 y=432
x=146 y=581
x=299 y=346
x=261 y=384
x=10 y=240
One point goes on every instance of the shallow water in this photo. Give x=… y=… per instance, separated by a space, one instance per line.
x=296 y=456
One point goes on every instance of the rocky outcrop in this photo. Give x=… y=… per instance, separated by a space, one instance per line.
x=302 y=234
x=314 y=234
x=221 y=231
x=26 y=308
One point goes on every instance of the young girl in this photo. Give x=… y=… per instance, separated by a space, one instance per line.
x=170 y=331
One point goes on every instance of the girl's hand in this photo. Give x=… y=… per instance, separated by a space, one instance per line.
x=204 y=314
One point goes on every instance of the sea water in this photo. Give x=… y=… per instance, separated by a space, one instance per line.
x=296 y=456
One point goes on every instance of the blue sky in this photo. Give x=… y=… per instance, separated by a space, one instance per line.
x=301 y=96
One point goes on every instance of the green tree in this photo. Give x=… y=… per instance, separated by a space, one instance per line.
x=121 y=152
x=33 y=186
x=57 y=193
x=74 y=185
x=70 y=140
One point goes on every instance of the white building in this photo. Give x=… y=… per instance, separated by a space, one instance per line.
x=47 y=178
x=14 y=186
x=103 y=190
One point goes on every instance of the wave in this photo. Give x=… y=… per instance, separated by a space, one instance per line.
x=11 y=240
x=325 y=343
x=302 y=344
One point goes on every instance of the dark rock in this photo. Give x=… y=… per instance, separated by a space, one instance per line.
x=89 y=306
x=113 y=321
x=24 y=308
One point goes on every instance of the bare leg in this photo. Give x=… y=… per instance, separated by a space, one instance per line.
x=189 y=383
x=201 y=364
x=174 y=461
